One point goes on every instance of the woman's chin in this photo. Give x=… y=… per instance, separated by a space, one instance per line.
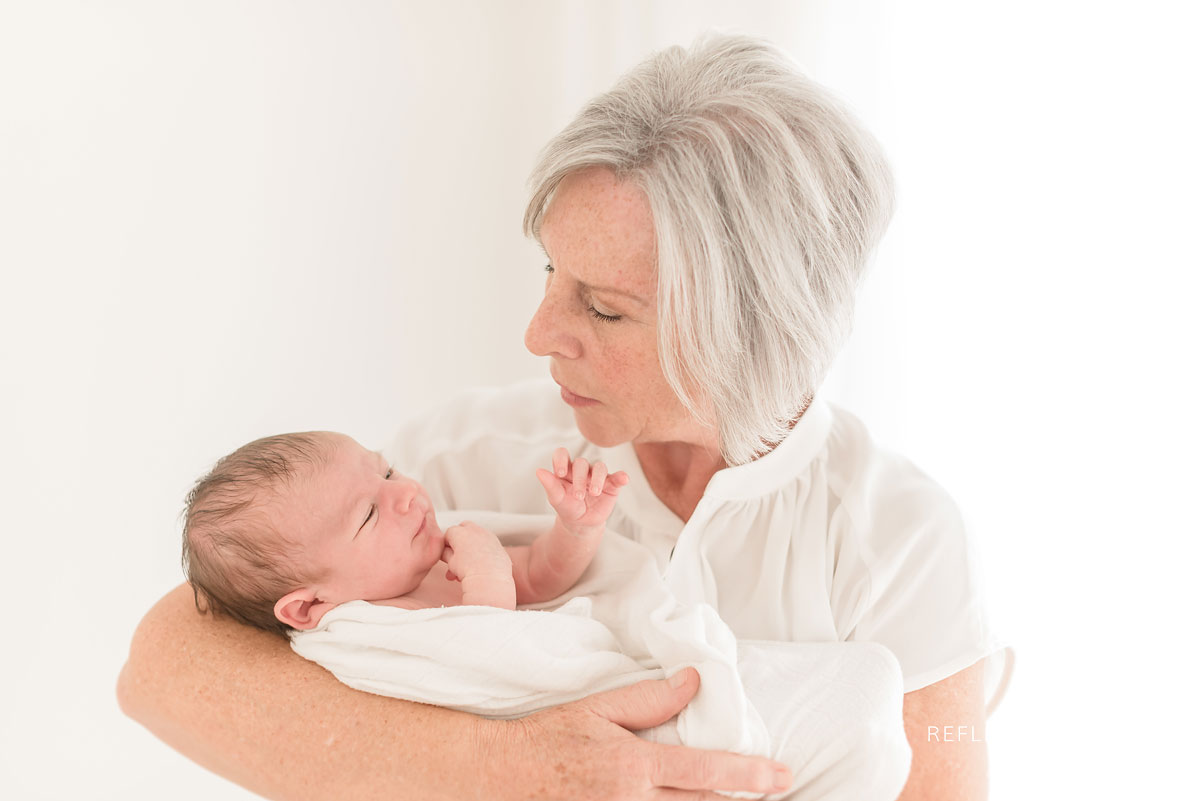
x=596 y=432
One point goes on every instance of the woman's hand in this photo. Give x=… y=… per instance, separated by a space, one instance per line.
x=582 y=494
x=585 y=750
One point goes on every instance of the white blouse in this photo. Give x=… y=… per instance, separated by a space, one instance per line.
x=826 y=538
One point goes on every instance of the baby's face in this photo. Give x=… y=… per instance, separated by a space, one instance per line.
x=369 y=531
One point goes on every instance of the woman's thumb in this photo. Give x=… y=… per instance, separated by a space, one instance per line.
x=647 y=703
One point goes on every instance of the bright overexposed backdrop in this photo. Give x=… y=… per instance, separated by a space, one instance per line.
x=225 y=219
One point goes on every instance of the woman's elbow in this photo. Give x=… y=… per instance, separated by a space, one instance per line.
x=127 y=694
x=142 y=683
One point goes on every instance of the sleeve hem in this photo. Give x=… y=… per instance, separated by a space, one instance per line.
x=996 y=678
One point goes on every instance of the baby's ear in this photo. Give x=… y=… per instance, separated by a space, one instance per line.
x=301 y=609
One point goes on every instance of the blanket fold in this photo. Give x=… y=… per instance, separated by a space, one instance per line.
x=831 y=711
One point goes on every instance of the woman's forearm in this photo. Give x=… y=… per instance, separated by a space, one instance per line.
x=239 y=702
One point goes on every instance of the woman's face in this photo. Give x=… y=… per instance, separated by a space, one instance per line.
x=598 y=321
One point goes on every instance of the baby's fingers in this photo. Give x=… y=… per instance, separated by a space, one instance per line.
x=561 y=461
x=579 y=478
x=596 y=479
x=614 y=483
x=554 y=488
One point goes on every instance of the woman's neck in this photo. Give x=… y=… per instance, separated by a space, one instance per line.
x=678 y=472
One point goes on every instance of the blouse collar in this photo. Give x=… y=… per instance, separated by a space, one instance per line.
x=781 y=465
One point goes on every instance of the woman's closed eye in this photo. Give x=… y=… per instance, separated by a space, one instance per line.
x=599 y=315
x=592 y=310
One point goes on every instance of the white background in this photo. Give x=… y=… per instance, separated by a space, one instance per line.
x=220 y=220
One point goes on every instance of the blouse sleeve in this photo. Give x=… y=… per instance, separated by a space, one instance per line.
x=905 y=576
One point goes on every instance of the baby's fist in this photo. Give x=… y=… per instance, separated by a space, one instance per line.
x=472 y=550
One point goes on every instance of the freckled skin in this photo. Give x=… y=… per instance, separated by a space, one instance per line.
x=599 y=232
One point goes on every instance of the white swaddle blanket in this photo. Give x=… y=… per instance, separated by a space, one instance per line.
x=831 y=711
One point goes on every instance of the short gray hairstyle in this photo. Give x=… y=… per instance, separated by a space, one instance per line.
x=768 y=196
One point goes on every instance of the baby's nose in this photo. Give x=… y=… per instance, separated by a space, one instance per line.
x=405 y=492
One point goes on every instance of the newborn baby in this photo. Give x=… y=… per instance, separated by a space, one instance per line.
x=286 y=528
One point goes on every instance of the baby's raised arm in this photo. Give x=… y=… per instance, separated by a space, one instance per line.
x=583 y=496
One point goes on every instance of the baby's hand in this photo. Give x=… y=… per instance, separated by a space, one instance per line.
x=582 y=494
x=472 y=550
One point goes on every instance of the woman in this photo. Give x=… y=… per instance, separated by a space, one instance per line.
x=706 y=223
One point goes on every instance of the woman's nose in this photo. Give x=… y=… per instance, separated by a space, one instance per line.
x=547 y=333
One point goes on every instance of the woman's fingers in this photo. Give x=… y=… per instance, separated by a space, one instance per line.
x=602 y=760
x=668 y=794
x=650 y=703
x=692 y=769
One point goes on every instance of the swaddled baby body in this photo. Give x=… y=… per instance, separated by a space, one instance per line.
x=287 y=528
x=830 y=711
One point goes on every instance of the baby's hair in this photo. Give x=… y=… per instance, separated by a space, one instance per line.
x=237 y=562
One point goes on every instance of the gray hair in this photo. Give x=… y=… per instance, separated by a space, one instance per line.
x=767 y=196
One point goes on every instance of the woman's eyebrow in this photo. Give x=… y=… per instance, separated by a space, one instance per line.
x=594 y=288
x=631 y=295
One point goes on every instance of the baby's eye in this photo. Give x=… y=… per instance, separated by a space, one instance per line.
x=388 y=474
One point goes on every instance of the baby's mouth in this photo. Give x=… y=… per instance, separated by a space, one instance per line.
x=420 y=528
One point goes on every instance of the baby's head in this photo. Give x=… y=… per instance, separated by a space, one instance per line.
x=287 y=527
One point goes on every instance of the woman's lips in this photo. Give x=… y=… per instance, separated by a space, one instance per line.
x=571 y=399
